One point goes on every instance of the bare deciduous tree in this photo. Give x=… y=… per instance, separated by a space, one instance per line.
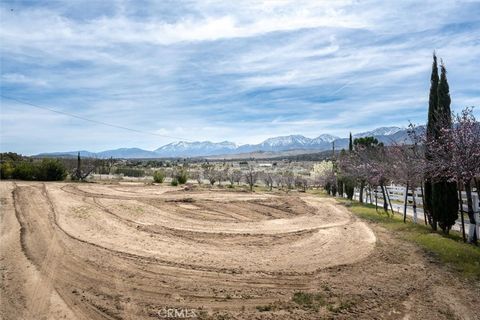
x=407 y=166
x=302 y=182
x=198 y=176
x=288 y=179
x=269 y=178
x=222 y=175
x=237 y=176
x=210 y=173
x=251 y=177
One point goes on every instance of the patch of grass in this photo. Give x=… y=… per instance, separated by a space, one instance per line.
x=308 y=300
x=318 y=192
x=325 y=287
x=465 y=258
x=265 y=308
x=257 y=188
x=449 y=249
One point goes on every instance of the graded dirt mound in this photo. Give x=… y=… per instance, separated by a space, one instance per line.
x=87 y=251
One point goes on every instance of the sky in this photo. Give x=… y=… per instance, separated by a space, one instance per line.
x=241 y=71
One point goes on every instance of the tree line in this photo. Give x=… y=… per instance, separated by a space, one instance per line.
x=250 y=175
x=14 y=166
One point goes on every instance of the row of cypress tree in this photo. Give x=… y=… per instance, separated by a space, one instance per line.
x=441 y=202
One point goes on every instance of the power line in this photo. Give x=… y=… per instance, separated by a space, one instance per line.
x=91 y=120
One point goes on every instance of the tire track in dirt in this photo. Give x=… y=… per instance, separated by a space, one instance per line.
x=43 y=300
x=96 y=281
x=152 y=259
x=192 y=266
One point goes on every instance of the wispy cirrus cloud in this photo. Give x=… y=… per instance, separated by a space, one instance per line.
x=18 y=78
x=212 y=70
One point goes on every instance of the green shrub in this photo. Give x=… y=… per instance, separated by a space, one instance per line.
x=159 y=176
x=174 y=182
x=182 y=177
x=45 y=170
x=349 y=184
x=51 y=170
x=25 y=171
x=6 y=170
x=264 y=308
x=308 y=300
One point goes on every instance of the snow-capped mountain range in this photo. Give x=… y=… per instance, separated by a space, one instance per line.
x=275 y=144
x=191 y=149
x=383 y=131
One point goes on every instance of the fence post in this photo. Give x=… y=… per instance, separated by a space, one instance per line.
x=405 y=204
x=476 y=214
x=460 y=204
x=389 y=200
x=423 y=204
x=414 y=207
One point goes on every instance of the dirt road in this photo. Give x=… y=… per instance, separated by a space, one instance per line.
x=129 y=251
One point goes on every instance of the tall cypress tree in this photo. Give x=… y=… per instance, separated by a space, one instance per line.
x=349 y=181
x=444 y=199
x=444 y=113
x=432 y=107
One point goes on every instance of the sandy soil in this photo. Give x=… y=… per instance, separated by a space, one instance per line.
x=128 y=251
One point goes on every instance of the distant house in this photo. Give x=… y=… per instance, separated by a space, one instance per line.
x=265 y=165
x=243 y=164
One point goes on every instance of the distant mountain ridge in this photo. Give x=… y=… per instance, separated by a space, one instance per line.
x=194 y=149
x=383 y=131
x=207 y=148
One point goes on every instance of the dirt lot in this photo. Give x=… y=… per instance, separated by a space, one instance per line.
x=133 y=251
